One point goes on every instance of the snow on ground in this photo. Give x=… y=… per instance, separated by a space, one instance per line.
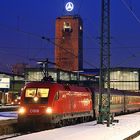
x=138 y=138
x=128 y=125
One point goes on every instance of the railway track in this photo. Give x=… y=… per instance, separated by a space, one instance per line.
x=8 y=126
x=133 y=136
x=9 y=129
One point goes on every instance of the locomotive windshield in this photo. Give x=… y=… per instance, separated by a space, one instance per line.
x=39 y=94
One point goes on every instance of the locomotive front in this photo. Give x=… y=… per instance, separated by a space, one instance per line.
x=35 y=105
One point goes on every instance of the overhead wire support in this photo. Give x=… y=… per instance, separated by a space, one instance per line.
x=49 y=40
x=131 y=11
x=44 y=64
x=104 y=82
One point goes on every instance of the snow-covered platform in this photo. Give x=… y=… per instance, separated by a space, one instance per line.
x=8 y=115
x=128 y=125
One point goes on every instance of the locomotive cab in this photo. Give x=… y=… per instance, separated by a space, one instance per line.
x=36 y=95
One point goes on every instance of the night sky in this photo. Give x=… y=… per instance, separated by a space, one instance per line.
x=24 y=22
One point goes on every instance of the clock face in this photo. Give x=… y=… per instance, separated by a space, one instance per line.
x=69 y=6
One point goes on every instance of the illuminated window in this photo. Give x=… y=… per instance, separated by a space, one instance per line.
x=67 y=27
x=43 y=92
x=40 y=92
x=31 y=92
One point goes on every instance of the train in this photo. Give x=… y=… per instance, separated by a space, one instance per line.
x=64 y=104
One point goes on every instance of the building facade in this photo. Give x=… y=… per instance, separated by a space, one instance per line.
x=9 y=90
x=36 y=74
x=121 y=78
x=125 y=79
x=69 y=43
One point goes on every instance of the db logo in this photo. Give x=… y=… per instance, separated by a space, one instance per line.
x=34 y=110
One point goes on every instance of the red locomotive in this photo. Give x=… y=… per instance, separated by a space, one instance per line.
x=55 y=103
x=59 y=104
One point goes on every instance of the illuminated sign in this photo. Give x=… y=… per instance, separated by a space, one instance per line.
x=4 y=82
x=69 y=6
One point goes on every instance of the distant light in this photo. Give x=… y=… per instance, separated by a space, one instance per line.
x=78 y=71
x=39 y=62
x=6 y=93
x=12 y=103
x=69 y=6
x=135 y=72
x=97 y=76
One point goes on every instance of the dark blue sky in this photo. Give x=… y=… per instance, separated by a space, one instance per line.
x=23 y=22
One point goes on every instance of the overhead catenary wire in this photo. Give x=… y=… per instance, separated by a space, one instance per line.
x=44 y=38
x=67 y=51
x=13 y=54
x=128 y=59
x=129 y=7
x=19 y=30
x=131 y=11
x=132 y=55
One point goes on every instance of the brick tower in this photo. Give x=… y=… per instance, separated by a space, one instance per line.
x=69 y=43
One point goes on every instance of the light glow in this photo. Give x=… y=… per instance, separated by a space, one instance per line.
x=35 y=99
x=12 y=103
x=49 y=110
x=21 y=110
x=69 y=6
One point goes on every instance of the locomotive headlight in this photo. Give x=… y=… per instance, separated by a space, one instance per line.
x=21 y=110
x=49 y=110
x=35 y=99
x=12 y=103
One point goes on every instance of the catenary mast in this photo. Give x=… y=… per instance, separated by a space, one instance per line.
x=104 y=99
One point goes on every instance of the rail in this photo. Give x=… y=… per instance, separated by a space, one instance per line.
x=133 y=136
